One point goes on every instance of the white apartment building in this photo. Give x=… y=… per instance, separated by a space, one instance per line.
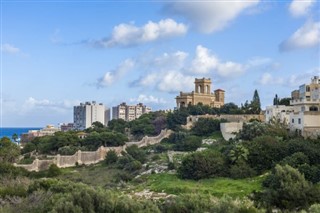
x=278 y=112
x=107 y=116
x=129 y=112
x=305 y=118
x=87 y=113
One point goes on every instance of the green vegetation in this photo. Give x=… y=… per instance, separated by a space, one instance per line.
x=172 y=184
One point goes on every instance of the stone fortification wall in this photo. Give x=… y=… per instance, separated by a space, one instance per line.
x=86 y=157
x=230 y=118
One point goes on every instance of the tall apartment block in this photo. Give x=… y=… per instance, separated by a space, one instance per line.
x=129 y=112
x=87 y=113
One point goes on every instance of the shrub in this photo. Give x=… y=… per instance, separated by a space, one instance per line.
x=286 y=188
x=111 y=157
x=133 y=166
x=205 y=164
x=136 y=153
x=54 y=170
x=241 y=170
x=189 y=143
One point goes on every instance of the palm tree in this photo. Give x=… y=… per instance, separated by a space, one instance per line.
x=239 y=152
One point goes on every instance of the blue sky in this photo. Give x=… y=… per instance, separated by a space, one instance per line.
x=56 y=54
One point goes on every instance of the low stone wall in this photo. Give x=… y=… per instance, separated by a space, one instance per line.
x=311 y=132
x=230 y=118
x=86 y=157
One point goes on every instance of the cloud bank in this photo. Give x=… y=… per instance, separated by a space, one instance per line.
x=209 y=16
x=125 y=35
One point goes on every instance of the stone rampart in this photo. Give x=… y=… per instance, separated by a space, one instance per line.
x=230 y=118
x=87 y=157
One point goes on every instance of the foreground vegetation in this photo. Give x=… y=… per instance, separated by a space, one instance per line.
x=264 y=168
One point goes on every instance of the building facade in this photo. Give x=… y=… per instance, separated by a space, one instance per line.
x=305 y=118
x=278 y=112
x=49 y=130
x=87 y=113
x=129 y=112
x=201 y=94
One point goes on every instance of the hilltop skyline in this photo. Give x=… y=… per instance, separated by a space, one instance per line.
x=56 y=54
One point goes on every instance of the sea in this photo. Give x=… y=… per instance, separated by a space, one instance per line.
x=9 y=131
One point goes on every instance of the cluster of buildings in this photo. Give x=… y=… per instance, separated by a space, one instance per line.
x=87 y=113
x=303 y=114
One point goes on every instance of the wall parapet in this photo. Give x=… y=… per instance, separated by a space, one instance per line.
x=90 y=157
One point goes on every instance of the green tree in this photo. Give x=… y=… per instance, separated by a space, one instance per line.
x=206 y=126
x=205 y=164
x=276 y=100
x=189 y=143
x=111 y=157
x=255 y=103
x=97 y=124
x=117 y=125
x=286 y=188
x=8 y=151
x=239 y=152
x=136 y=153
x=54 y=170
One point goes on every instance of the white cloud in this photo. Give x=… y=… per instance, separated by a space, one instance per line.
x=174 y=81
x=231 y=69
x=204 y=61
x=268 y=79
x=111 y=76
x=148 y=99
x=293 y=81
x=305 y=37
x=8 y=48
x=209 y=16
x=129 y=34
x=59 y=106
x=300 y=7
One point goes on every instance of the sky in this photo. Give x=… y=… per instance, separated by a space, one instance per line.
x=56 y=54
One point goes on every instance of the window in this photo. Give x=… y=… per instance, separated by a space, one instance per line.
x=313 y=108
x=299 y=120
x=292 y=120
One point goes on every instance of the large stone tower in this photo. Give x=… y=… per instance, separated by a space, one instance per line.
x=202 y=85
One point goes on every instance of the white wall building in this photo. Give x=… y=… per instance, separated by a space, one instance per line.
x=305 y=118
x=278 y=112
x=87 y=113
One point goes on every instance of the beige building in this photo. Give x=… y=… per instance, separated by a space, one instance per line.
x=305 y=118
x=201 y=94
x=129 y=112
x=49 y=130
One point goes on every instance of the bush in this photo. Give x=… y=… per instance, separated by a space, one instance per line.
x=159 y=148
x=189 y=143
x=205 y=164
x=286 y=188
x=54 y=170
x=111 y=157
x=133 y=166
x=123 y=176
x=136 y=153
x=206 y=126
x=241 y=170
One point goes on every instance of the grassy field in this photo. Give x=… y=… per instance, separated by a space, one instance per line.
x=171 y=184
x=94 y=175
